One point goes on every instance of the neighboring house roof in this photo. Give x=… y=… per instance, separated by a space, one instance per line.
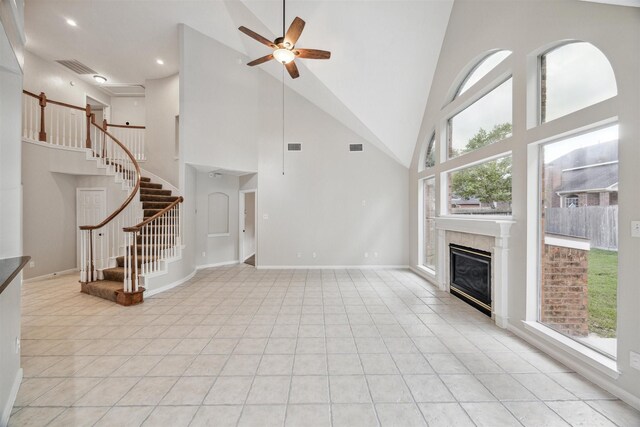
x=603 y=177
x=592 y=168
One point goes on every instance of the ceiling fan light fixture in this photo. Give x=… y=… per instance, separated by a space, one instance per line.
x=283 y=56
x=100 y=79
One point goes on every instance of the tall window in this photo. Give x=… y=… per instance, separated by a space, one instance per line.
x=486 y=121
x=573 y=76
x=429 y=238
x=579 y=251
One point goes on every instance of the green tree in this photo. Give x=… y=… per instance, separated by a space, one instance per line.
x=490 y=181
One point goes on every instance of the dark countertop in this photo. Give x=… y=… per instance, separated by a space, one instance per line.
x=9 y=269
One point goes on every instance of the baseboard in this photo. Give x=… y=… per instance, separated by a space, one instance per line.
x=51 y=275
x=169 y=286
x=218 y=264
x=570 y=362
x=330 y=267
x=6 y=412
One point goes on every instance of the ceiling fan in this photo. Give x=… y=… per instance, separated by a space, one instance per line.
x=284 y=50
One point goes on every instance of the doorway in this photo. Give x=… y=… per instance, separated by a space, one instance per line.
x=101 y=110
x=247 y=235
x=91 y=209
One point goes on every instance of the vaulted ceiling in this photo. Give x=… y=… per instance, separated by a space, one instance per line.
x=384 y=53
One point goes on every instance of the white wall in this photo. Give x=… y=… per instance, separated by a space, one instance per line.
x=54 y=80
x=219 y=105
x=231 y=118
x=162 y=107
x=11 y=20
x=128 y=109
x=527 y=28
x=217 y=249
x=50 y=177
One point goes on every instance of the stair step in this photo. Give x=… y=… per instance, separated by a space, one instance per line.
x=155 y=205
x=105 y=289
x=145 y=179
x=114 y=274
x=150 y=185
x=154 y=248
x=157 y=198
x=148 y=213
x=158 y=237
x=141 y=260
x=154 y=191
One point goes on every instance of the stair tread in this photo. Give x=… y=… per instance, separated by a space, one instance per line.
x=105 y=289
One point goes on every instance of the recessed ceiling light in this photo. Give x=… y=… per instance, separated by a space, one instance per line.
x=159 y=61
x=100 y=79
x=71 y=22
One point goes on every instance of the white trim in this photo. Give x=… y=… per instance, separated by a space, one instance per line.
x=330 y=267
x=575 y=361
x=422 y=272
x=241 y=225
x=13 y=394
x=567 y=242
x=218 y=234
x=170 y=285
x=51 y=275
x=217 y=264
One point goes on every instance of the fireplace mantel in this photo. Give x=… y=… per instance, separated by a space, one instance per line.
x=498 y=228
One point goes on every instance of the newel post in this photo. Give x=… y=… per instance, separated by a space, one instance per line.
x=104 y=124
x=88 y=113
x=42 y=135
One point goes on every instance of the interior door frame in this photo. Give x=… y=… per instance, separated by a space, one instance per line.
x=103 y=190
x=241 y=254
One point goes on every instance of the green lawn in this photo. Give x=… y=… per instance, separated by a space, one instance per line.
x=603 y=290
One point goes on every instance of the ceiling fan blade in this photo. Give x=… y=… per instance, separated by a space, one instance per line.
x=312 y=54
x=257 y=37
x=293 y=33
x=292 y=69
x=260 y=60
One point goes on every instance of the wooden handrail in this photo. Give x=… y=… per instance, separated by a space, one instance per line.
x=126 y=126
x=133 y=192
x=26 y=92
x=137 y=227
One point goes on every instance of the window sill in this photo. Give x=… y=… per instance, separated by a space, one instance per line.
x=581 y=352
x=427 y=271
x=218 y=235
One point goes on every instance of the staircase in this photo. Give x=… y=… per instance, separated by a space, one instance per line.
x=154 y=200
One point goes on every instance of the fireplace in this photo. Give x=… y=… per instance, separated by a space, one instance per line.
x=470 y=276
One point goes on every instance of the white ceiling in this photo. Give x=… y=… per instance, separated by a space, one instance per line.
x=384 y=53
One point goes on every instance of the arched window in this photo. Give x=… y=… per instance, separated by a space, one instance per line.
x=482 y=69
x=572 y=77
x=430 y=154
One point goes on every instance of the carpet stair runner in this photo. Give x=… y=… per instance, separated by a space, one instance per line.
x=154 y=198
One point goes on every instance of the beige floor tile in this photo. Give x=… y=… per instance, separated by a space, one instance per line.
x=129 y=416
x=188 y=391
x=220 y=415
x=67 y=392
x=308 y=415
x=148 y=391
x=108 y=392
x=34 y=416
x=79 y=417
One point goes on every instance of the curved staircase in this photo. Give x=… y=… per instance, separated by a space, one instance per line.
x=154 y=200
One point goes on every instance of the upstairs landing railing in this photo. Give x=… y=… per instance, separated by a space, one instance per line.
x=67 y=125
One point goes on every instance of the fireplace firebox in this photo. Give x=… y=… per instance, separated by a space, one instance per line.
x=470 y=276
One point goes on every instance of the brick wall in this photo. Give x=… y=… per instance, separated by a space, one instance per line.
x=564 y=290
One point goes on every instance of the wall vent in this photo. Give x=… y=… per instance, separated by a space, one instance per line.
x=76 y=66
x=355 y=147
x=294 y=146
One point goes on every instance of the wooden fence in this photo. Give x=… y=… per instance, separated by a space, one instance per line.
x=599 y=224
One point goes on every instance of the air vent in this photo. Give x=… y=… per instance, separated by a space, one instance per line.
x=123 y=89
x=355 y=147
x=76 y=66
x=295 y=147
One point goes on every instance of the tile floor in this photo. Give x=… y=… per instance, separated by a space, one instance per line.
x=243 y=347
